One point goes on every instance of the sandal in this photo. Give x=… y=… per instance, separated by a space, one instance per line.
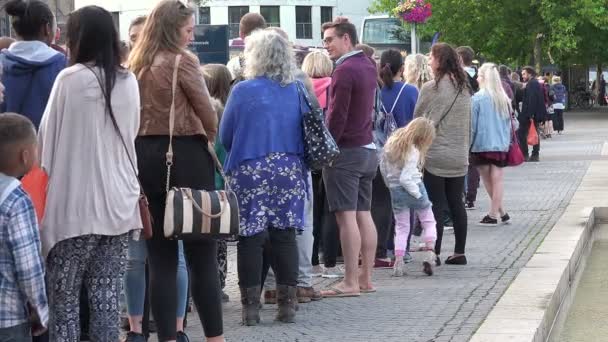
x=334 y=292
x=368 y=290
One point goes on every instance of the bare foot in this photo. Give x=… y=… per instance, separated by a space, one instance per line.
x=340 y=290
x=365 y=284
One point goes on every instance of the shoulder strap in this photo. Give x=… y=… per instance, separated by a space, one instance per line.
x=169 y=154
x=303 y=93
x=115 y=123
x=398 y=96
x=449 y=109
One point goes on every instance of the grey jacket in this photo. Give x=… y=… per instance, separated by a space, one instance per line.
x=449 y=155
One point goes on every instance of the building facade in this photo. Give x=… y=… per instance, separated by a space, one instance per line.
x=301 y=19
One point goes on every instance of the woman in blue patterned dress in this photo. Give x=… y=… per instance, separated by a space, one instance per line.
x=262 y=132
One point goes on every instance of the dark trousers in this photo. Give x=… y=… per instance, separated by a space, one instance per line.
x=558 y=120
x=382 y=214
x=325 y=227
x=443 y=190
x=192 y=168
x=472 y=184
x=522 y=132
x=19 y=333
x=272 y=247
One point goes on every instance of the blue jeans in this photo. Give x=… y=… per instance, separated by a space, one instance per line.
x=135 y=279
x=19 y=333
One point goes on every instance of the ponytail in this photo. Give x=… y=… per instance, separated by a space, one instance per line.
x=386 y=75
x=391 y=62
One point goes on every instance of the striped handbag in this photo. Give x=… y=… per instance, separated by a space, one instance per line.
x=194 y=214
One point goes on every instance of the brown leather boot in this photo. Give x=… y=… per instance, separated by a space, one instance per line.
x=250 y=299
x=308 y=294
x=287 y=299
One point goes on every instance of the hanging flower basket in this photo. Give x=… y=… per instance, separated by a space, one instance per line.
x=413 y=11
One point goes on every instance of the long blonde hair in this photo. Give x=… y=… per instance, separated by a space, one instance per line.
x=417 y=71
x=161 y=32
x=419 y=133
x=492 y=85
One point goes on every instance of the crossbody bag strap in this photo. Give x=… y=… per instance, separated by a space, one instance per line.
x=449 y=109
x=169 y=155
x=115 y=123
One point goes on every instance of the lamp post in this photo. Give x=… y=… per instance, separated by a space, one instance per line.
x=414 y=39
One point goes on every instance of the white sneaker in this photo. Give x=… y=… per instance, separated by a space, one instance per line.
x=333 y=272
x=399 y=268
x=317 y=271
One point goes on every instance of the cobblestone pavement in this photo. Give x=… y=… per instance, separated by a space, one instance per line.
x=449 y=306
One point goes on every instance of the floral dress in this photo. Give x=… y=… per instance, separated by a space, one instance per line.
x=271 y=192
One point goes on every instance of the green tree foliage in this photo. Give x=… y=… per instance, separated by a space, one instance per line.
x=513 y=30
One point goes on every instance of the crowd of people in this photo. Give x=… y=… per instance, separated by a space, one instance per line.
x=105 y=122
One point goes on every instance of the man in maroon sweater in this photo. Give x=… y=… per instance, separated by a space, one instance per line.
x=348 y=180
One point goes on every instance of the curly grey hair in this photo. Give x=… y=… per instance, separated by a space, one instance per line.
x=269 y=54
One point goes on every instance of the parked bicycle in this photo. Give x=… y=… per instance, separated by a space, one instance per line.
x=582 y=99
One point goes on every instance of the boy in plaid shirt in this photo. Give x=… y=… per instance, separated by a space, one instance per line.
x=23 y=303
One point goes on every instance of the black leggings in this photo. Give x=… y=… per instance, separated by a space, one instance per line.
x=558 y=120
x=448 y=190
x=325 y=229
x=272 y=247
x=382 y=214
x=192 y=168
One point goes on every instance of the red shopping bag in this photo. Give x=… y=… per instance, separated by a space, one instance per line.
x=532 y=134
x=35 y=184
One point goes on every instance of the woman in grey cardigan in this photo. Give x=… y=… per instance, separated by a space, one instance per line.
x=447 y=101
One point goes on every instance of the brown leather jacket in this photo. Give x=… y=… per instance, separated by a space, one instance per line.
x=193 y=111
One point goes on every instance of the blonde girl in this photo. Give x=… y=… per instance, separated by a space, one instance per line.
x=491 y=136
x=416 y=70
x=401 y=165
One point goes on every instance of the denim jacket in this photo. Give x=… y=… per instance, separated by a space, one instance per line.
x=490 y=131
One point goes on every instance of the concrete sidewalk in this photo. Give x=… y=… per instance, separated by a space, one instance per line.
x=450 y=305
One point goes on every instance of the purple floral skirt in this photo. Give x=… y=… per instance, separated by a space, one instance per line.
x=271 y=192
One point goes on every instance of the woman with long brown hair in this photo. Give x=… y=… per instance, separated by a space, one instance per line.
x=447 y=101
x=165 y=36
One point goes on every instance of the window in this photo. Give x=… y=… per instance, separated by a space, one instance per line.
x=384 y=31
x=303 y=22
x=5 y=30
x=327 y=14
x=235 y=13
x=272 y=15
x=116 y=20
x=204 y=16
